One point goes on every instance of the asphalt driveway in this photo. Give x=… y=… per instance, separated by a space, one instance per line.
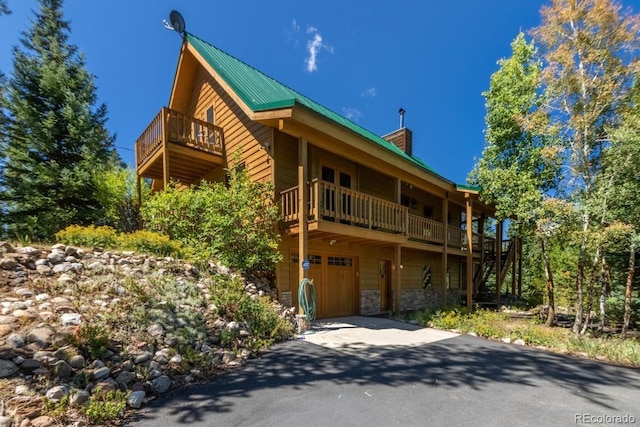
x=381 y=377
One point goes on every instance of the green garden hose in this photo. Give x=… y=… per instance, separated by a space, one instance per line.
x=307 y=299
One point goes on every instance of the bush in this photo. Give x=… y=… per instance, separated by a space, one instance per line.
x=91 y=339
x=233 y=303
x=117 y=192
x=90 y=236
x=150 y=242
x=104 y=407
x=237 y=224
x=107 y=237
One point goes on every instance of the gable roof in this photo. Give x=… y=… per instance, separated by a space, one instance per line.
x=262 y=93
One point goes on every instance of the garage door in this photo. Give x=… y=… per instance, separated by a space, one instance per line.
x=334 y=281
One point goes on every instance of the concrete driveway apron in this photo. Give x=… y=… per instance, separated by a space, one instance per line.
x=370 y=335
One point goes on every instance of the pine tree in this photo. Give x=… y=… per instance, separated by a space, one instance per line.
x=56 y=139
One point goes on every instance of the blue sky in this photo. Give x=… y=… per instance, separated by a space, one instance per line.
x=363 y=60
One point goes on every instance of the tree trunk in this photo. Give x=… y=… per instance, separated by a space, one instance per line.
x=551 y=315
x=577 y=324
x=628 y=288
x=593 y=277
x=604 y=288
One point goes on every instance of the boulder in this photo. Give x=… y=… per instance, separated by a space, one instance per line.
x=136 y=398
x=8 y=368
x=7 y=263
x=56 y=393
x=161 y=384
x=40 y=336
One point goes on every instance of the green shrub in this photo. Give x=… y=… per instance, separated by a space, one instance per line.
x=536 y=335
x=143 y=241
x=91 y=235
x=235 y=223
x=103 y=407
x=92 y=339
x=117 y=192
x=265 y=323
x=151 y=243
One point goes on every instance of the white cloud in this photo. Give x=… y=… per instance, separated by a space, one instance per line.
x=352 y=113
x=313 y=49
x=294 y=25
x=371 y=93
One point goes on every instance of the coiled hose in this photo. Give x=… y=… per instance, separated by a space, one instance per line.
x=307 y=299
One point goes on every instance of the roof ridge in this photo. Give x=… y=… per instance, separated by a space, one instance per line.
x=295 y=97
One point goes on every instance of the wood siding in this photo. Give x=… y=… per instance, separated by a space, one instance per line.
x=286 y=161
x=240 y=133
x=376 y=184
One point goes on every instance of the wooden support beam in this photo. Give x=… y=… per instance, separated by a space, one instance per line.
x=445 y=248
x=481 y=222
x=469 y=215
x=139 y=191
x=303 y=209
x=519 y=254
x=396 y=278
x=165 y=149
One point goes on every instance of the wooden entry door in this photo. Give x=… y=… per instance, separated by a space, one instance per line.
x=384 y=281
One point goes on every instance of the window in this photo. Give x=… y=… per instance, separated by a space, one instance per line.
x=340 y=261
x=427 y=211
x=211 y=134
x=345 y=180
x=328 y=174
x=313 y=259
x=405 y=200
x=211 y=115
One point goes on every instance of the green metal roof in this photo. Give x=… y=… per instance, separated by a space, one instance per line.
x=262 y=93
x=465 y=187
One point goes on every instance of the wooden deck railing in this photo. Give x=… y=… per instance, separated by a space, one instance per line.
x=425 y=229
x=172 y=126
x=456 y=237
x=330 y=202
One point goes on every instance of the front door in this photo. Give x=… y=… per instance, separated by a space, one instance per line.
x=383 y=284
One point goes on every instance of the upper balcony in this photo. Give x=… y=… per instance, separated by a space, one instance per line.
x=179 y=147
x=333 y=203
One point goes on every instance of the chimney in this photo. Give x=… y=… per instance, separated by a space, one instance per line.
x=403 y=137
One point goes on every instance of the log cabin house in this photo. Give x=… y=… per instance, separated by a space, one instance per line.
x=381 y=230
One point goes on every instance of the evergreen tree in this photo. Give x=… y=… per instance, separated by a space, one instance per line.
x=56 y=139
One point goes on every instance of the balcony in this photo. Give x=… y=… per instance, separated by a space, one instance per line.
x=332 y=203
x=192 y=147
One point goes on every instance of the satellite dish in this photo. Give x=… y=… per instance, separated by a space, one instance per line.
x=177 y=21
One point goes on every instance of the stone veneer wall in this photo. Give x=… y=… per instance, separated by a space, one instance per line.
x=418 y=299
x=453 y=297
x=369 y=302
x=285 y=299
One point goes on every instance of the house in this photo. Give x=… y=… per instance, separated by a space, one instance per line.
x=380 y=229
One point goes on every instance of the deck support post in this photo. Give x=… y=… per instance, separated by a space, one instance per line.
x=139 y=191
x=519 y=255
x=476 y=285
x=303 y=210
x=165 y=149
x=445 y=248
x=469 y=216
x=396 y=279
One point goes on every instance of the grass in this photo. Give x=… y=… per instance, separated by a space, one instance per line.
x=497 y=325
